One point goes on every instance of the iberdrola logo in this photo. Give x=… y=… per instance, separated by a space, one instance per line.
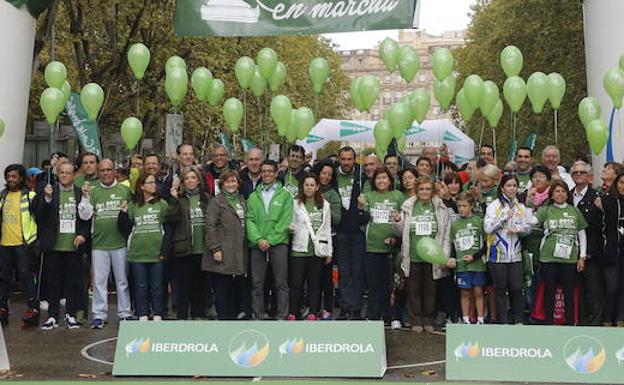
x=467 y=350
x=249 y=348
x=293 y=346
x=584 y=354
x=138 y=345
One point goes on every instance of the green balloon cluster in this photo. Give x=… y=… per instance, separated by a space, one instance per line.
x=430 y=250
x=176 y=84
x=281 y=112
x=66 y=89
x=215 y=92
x=267 y=62
x=511 y=60
x=291 y=123
x=409 y=62
x=400 y=118
x=244 y=71
x=556 y=89
x=92 y=99
x=444 y=90
x=463 y=105
x=233 y=112
x=258 y=84
x=420 y=102
x=200 y=81
x=131 y=132
x=588 y=110
x=495 y=114
x=537 y=91
x=55 y=74
x=302 y=122
x=473 y=89
x=364 y=92
x=442 y=63
x=490 y=96
x=174 y=62
x=278 y=77
x=613 y=82
x=319 y=73
x=383 y=136
x=597 y=133
x=389 y=54
x=139 y=59
x=52 y=103
x=515 y=92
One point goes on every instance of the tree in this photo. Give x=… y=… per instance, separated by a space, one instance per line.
x=93 y=36
x=550 y=35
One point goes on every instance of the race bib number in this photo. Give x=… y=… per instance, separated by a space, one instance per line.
x=422 y=226
x=292 y=189
x=67 y=226
x=465 y=243
x=563 y=246
x=345 y=195
x=217 y=189
x=380 y=215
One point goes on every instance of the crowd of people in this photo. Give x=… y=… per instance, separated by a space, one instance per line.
x=532 y=242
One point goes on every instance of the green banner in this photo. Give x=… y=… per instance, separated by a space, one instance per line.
x=86 y=130
x=225 y=141
x=247 y=144
x=535 y=353
x=251 y=348
x=35 y=7
x=283 y=17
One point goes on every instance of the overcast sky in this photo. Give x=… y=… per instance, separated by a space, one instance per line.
x=436 y=16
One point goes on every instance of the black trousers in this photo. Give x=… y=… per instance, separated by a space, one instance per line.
x=327 y=286
x=614 y=293
x=226 y=292
x=564 y=274
x=189 y=286
x=305 y=270
x=15 y=260
x=507 y=279
x=65 y=275
x=593 y=302
x=377 y=272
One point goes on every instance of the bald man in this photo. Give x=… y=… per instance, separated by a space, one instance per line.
x=371 y=163
x=250 y=175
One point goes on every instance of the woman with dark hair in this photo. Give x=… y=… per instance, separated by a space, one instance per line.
x=382 y=203
x=185 y=214
x=311 y=246
x=447 y=190
x=143 y=219
x=225 y=255
x=613 y=266
x=564 y=248
x=506 y=221
x=407 y=178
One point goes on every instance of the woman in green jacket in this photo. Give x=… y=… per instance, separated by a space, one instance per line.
x=144 y=217
x=185 y=214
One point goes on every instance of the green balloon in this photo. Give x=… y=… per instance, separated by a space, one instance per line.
x=55 y=74
x=495 y=115
x=131 y=132
x=92 y=99
x=597 y=133
x=556 y=89
x=138 y=58
x=463 y=105
x=66 y=91
x=380 y=150
x=278 y=77
x=355 y=95
x=613 y=82
x=174 y=62
x=303 y=122
x=442 y=63
x=389 y=53
x=430 y=250
x=233 y=112
x=537 y=90
x=281 y=112
x=420 y=101
x=588 y=110
x=215 y=92
x=382 y=133
x=52 y=103
x=409 y=62
x=267 y=62
x=490 y=97
x=257 y=84
x=511 y=60
x=400 y=118
x=401 y=142
x=319 y=73
x=244 y=71
x=473 y=90
x=444 y=90
x=176 y=85
x=200 y=81
x=368 y=89
x=291 y=134
x=621 y=62
x=514 y=90
x=1 y=127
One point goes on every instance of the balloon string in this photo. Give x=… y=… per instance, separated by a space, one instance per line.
x=138 y=98
x=494 y=141
x=556 y=134
x=481 y=135
x=515 y=122
x=245 y=113
x=260 y=122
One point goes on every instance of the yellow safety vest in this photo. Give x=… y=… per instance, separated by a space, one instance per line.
x=29 y=226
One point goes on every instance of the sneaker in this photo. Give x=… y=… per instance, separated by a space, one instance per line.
x=71 y=322
x=291 y=317
x=326 y=316
x=49 y=324
x=62 y=302
x=97 y=323
x=127 y=318
x=395 y=325
x=429 y=328
x=417 y=329
x=311 y=317
x=143 y=318
x=44 y=305
x=157 y=318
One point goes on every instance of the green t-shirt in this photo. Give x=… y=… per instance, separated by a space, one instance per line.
x=559 y=242
x=106 y=202
x=423 y=224
x=145 y=241
x=316 y=218
x=381 y=225
x=523 y=182
x=198 y=224
x=345 y=188
x=366 y=187
x=80 y=181
x=467 y=237
x=291 y=184
x=67 y=222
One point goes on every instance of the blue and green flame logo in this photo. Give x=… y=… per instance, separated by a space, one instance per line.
x=249 y=348
x=584 y=354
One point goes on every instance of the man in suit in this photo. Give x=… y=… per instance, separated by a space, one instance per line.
x=583 y=197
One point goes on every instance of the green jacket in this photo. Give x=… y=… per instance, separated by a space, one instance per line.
x=271 y=226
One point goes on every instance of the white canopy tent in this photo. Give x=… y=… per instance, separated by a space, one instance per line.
x=459 y=144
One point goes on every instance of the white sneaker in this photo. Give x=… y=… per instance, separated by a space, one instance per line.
x=62 y=302
x=395 y=325
x=157 y=318
x=49 y=324
x=143 y=318
x=71 y=322
x=43 y=305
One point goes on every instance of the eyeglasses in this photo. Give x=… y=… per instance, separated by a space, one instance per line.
x=150 y=182
x=579 y=172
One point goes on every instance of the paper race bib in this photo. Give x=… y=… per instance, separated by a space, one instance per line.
x=345 y=195
x=563 y=246
x=380 y=215
x=292 y=189
x=465 y=243
x=67 y=226
x=217 y=189
x=422 y=225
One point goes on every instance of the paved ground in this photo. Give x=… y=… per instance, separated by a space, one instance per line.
x=59 y=354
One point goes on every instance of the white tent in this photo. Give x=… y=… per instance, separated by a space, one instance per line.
x=460 y=144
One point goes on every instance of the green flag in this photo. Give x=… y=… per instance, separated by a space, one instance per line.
x=35 y=7
x=225 y=141
x=86 y=130
x=530 y=141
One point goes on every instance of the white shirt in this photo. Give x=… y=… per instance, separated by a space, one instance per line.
x=578 y=196
x=267 y=195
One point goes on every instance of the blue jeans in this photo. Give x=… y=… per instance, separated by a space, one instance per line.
x=15 y=261
x=148 y=288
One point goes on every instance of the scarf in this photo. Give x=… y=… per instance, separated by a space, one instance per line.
x=541 y=197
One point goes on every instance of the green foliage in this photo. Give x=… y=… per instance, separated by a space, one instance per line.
x=92 y=38
x=331 y=148
x=550 y=35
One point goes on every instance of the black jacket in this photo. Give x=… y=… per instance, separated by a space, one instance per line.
x=48 y=219
x=613 y=209
x=247 y=186
x=282 y=175
x=593 y=217
x=353 y=218
x=178 y=221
